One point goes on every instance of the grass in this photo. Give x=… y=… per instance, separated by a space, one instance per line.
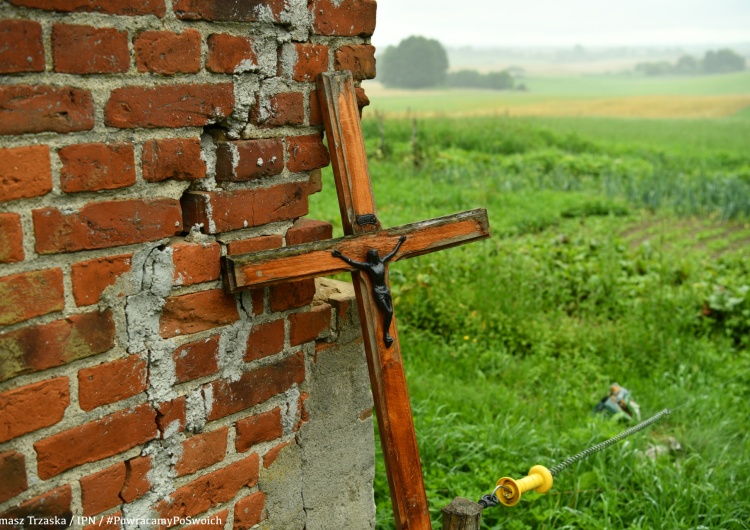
x=593 y=275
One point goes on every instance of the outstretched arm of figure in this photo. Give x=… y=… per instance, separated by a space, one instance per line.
x=393 y=252
x=357 y=264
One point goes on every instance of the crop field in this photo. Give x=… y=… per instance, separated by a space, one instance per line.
x=619 y=254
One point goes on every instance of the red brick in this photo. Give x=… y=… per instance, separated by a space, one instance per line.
x=96 y=440
x=316 y=114
x=191 y=313
x=228 y=54
x=254 y=244
x=360 y=59
x=315 y=184
x=13 y=471
x=171 y=416
x=210 y=490
x=250 y=511
x=89 y=50
x=165 y=52
x=21 y=46
x=310 y=60
x=115 y=485
x=11 y=238
x=94 y=167
x=202 y=450
x=265 y=339
x=32 y=407
x=249 y=159
x=255 y=386
x=37 y=348
x=222 y=210
x=107 y=523
x=91 y=278
x=111 y=382
x=270 y=457
x=173 y=158
x=213 y=522
x=106 y=224
x=108 y=7
x=305 y=327
x=228 y=10
x=188 y=105
x=308 y=230
x=54 y=504
x=24 y=172
x=286 y=108
x=30 y=294
x=344 y=18
x=40 y=108
x=258 y=429
x=292 y=295
x=197 y=359
x=362 y=99
x=306 y=153
x=304 y=416
x=196 y=262
x=136 y=478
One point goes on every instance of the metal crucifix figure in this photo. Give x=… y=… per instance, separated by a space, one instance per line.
x=375 y=269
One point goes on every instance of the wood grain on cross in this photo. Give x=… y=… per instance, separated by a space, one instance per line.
x=361 y=224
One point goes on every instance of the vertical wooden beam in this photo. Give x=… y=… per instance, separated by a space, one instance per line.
x=397 y=434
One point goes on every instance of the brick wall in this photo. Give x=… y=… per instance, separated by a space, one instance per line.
x=140 y=140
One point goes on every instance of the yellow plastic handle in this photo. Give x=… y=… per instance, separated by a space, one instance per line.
x=510 y=490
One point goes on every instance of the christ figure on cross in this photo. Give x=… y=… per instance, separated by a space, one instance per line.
x=375 y=269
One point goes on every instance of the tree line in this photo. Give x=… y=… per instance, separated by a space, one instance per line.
x=713 y=62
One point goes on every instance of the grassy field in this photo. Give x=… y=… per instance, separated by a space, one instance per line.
x=619 y=254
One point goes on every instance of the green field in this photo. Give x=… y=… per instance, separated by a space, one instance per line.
x=619 y=254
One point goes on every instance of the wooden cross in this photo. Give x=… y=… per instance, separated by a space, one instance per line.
x=361 y=224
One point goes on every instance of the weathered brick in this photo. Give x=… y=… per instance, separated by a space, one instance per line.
x=309 y=61
x=111 y=382
x=286 y=108
x=197 y=359
x=136 y=478
x=191 y=313
x=90 y=278
x=122 y=482
x=254 y=244
x=228 y=54
x=21 y=46
x=362 y=99
x=292 y=295
x=308 y=230
x=265 y=339
x=13 y=471
x=171 y=416
x=249 y=159
x=304 y=327
x=270 y=457
x=54 y=504
x=316 y=113
x=105 y=224
x=222 y=211
x=188 y=105
x=213 y=522
x=250 y=511
x=202 y=450
x=96 y=440
x=37 y=348
x=107 y=7
x=210 y=490
x=228 y=10
x=165 y=52
x=32 y=407
x=30 y=294
x=94 y=167
x=344 y=18
x=306 y=153
x=256 y=386
x=173 y=158
x=196 y=262
x=24 y=172
x=258 y=429
x=40 y=108
x=89 y=50
x=258 y=299
x=11 y=238
x=360 y=59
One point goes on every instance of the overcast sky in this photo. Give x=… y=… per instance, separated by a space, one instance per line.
x=488 y=23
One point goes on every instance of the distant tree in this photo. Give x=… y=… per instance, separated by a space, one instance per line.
x=474 y=79
x=416 y=62
x=687 y=64
x=722 y=61
x=499 y=80
x=660 y=68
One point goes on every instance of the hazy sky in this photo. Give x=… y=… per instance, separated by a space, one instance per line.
x=487 y=23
